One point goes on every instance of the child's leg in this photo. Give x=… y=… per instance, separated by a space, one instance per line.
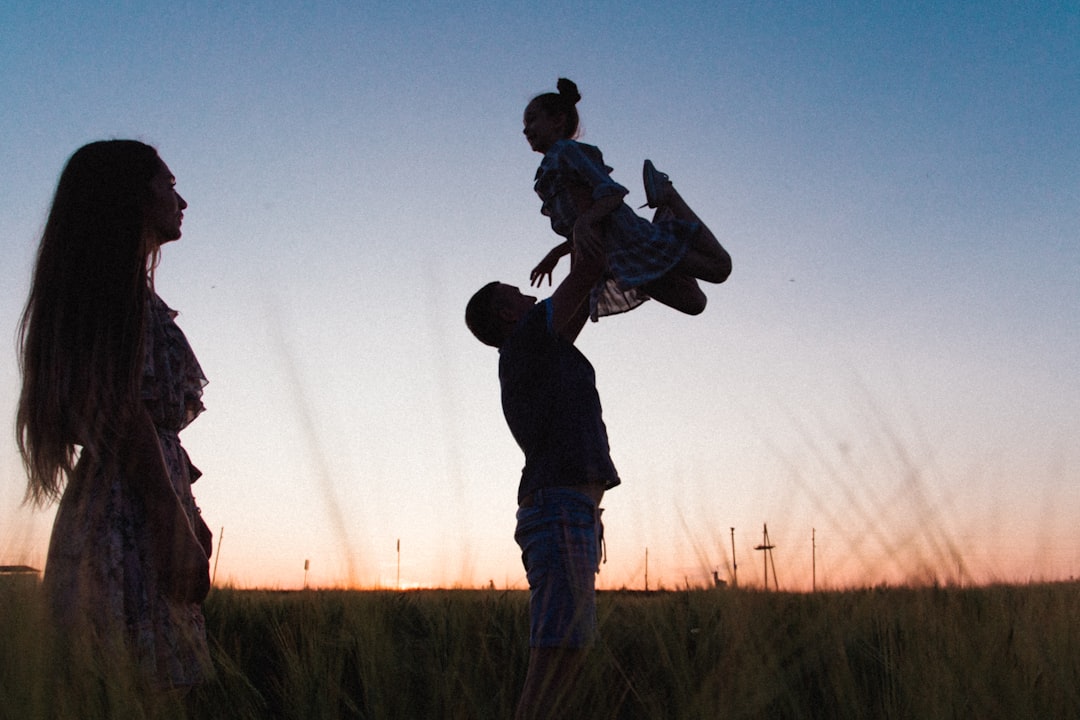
x=677 y=290
x=705 y=259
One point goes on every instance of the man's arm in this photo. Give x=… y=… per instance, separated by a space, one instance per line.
x=570 y=301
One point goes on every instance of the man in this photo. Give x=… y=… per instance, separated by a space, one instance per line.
x=550 y=402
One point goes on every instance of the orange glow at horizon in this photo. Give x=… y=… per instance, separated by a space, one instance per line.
x=794 y=571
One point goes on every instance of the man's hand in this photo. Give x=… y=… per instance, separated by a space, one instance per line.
x=570 y=301
x=587 y=240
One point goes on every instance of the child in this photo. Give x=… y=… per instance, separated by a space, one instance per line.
x=662 y=259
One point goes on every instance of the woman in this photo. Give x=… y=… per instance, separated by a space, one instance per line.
x=109 y=380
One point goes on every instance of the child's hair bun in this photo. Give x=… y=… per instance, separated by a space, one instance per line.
x=568 y=90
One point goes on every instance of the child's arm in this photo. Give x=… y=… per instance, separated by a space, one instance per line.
x=536 y=277
x=586 y=228
x=595 y=194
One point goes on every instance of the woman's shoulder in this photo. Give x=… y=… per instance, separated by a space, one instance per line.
x=160 y=308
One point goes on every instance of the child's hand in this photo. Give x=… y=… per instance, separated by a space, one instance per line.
x=544 y=269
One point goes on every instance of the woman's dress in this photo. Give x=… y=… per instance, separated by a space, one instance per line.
x=99 y=574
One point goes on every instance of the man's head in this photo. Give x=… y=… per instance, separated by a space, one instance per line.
x=494 y=310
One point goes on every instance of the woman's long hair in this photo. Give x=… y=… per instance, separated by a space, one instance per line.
x=81 y=334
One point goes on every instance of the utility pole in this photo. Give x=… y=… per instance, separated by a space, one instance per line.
x=766 y=547
x=398 y=582
x=813 y=549
x=734 y=562
x=646 y=569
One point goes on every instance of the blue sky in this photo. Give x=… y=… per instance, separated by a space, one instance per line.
x=891 y=365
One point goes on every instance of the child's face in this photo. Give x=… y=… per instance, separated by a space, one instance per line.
x=542 y=129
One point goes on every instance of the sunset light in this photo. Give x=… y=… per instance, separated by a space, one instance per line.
x=888 y=381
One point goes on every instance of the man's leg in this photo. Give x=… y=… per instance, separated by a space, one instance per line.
x=548 y=683
x=560 y=549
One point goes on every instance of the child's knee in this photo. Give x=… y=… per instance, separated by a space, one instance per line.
x=719 y=275
x=718 y=271
x=695 y=305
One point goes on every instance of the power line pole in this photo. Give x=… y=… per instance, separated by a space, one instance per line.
x=646 y=569
x=734 y=562
x=766 y=547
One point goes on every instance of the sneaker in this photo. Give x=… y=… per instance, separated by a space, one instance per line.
x=654 y=182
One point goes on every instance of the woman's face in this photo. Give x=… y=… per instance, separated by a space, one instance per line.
x=542 y=129
x=165 y=210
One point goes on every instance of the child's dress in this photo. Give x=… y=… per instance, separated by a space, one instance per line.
x=637 y=251
x=99 y=568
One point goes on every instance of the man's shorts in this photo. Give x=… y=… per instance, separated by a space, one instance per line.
x=560 y=535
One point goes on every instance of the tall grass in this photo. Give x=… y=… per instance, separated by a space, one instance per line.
x=990 y=652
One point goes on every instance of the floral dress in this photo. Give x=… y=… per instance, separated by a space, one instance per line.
x=99 y=569
x=573 y=175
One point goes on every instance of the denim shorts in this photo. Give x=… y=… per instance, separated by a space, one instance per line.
x=560 y=536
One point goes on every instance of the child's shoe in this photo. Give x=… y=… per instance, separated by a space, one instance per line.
x=655 y=184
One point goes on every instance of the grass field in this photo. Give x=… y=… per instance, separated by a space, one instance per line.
x=936 y=652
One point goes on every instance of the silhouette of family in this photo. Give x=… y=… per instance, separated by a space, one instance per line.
x=109 y=381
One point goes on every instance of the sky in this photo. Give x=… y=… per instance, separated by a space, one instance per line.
x=887 y=382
